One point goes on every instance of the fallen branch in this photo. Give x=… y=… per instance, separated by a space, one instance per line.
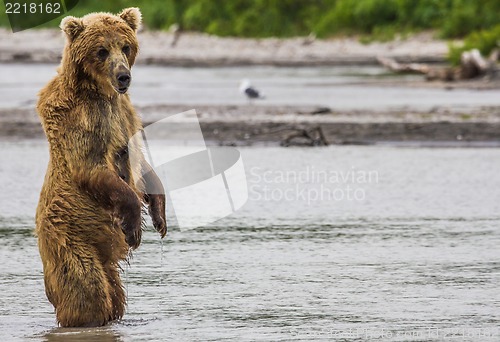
x=305 y=137
x=472 y=65
x=392 y=65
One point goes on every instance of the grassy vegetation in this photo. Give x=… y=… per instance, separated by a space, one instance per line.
x=485 y=41
x=376 y=19
x=284 y=18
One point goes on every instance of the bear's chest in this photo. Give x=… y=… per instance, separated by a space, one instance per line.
x=113 y=123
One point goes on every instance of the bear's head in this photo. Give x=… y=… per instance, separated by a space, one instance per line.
x=101 y=48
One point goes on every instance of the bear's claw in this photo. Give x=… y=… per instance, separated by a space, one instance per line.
x=156 y=210
x=130 y=215
x=133 y=239
x=160 y=226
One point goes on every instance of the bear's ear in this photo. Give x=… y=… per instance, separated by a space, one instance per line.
x=72 y=27
x=132 y=17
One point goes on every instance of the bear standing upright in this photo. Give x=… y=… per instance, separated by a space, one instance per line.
x=89 y=213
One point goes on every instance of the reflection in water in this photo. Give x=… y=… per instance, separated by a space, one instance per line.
x=102 y=334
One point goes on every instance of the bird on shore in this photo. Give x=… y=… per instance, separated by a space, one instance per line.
x=249 y=91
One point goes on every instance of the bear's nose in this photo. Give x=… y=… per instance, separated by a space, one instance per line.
x=123 y=79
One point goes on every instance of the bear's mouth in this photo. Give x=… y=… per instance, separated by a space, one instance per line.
x=122 y=90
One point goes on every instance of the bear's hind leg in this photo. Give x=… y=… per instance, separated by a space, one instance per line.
x=118 y=297
x=83 y=289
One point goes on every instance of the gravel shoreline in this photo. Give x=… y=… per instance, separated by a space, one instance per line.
x=248 y=125
x=197 y=49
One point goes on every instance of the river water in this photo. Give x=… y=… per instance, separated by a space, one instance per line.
x=409 y=253
x=340 y=88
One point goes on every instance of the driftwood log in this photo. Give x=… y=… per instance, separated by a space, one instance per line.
x=472 y=65
x=305 y=137
x=295 y=135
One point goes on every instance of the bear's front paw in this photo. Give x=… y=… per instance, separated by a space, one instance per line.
x=133 y=236
x=160 y=225
x=156 y=208
x=130 y=214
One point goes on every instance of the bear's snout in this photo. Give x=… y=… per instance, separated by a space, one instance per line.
x=123 y=79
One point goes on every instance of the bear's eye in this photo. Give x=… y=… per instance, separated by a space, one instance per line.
x=126 y=50
x=102 y=53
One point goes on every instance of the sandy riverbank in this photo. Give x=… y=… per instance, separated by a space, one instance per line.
x=196 y=49
x=248 y=125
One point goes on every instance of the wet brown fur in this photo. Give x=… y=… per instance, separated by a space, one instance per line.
x=89 y=213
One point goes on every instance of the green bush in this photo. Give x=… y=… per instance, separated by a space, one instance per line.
x=485 y=41
x=423 y=14
x=467 y=16
x=285 y=18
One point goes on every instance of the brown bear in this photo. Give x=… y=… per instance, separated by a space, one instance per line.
x=89 y=214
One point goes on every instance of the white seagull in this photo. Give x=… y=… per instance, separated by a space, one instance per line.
x=250 y=92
